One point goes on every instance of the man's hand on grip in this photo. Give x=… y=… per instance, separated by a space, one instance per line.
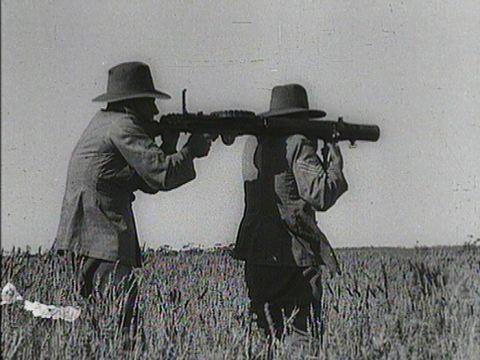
x=169 y=141
x=199 y=145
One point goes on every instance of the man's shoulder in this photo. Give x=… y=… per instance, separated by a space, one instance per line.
x=117 y=118
x=300 y=145
x=121 y=122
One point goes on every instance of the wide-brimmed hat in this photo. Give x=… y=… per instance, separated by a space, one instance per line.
x=291 y=99
x=130 y=80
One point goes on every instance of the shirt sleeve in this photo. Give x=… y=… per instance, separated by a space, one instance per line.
x=318 y=184
x=157 y=170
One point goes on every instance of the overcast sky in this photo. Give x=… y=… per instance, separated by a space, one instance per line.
x=411 y=67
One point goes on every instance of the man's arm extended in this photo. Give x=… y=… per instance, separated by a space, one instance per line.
x=159 y=171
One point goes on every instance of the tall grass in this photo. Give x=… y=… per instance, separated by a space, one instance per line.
x=388 y=304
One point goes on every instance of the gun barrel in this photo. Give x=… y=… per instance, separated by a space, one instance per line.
x=327 y=130
x=237 y=123
x=353 y=132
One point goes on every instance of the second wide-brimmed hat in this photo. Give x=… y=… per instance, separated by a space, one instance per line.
x=130 y=80
x=291 y=100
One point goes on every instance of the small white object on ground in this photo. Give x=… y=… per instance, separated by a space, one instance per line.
x=11 y=295
x=67 y=313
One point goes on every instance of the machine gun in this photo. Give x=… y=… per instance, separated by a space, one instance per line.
x=232 y=123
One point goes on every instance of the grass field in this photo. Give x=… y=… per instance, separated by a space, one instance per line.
x=421 y=303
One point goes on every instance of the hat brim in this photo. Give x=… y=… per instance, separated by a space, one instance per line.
x=294 y=112
x=111 y=97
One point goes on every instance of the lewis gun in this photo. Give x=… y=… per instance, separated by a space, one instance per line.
x=229 y=124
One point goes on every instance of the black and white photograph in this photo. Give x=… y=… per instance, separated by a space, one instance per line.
x=186 y=179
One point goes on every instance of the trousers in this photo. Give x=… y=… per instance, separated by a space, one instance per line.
x=112 y=281
x=276 y=292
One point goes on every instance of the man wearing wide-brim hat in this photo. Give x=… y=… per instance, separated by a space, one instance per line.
x=115 y=156
x=285 y=182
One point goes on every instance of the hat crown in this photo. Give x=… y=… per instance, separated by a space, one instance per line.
x=130 y=80
x=130 y=77
x=288 y=97
x=291 y=100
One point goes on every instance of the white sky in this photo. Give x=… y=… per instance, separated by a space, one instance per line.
x=411 y=67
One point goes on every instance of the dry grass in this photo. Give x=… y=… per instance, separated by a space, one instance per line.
x=388 y=304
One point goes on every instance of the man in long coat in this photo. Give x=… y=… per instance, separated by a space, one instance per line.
x=285 y=182
x=115 y=156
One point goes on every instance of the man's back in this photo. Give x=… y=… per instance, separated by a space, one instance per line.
x=95 y=160
x=96 y=218
x=113 y=158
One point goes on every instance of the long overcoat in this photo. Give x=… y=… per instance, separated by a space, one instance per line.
x=113 y=158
